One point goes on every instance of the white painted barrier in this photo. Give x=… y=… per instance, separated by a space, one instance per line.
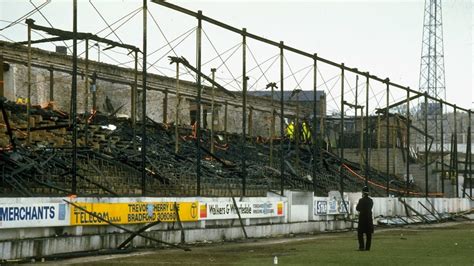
x=23 y=234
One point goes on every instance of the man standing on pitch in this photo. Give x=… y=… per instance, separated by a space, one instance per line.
x=364 y=207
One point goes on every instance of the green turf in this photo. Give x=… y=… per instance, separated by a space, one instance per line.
x=405 y=246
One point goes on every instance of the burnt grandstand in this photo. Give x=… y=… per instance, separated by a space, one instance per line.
x=109 y=160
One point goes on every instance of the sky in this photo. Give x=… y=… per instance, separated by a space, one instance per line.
x=382 y=37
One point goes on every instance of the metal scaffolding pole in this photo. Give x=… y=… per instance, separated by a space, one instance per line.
x=443 y=174
x=455 y=149
x=272 y=86
x=176 y=118
x=387 y=137
x=28 y=95
x=86 y=94
x=282 y=120
x=341 y=136
x=198 y=111
x=315 y=119
x=134 y=101
x=144 y=73
x=470 y=153
x=74 y=99
x=408 y=144
x=367 y=130
x=213 y=71
x=225 y=119
x=244 y=109
x=426 y=143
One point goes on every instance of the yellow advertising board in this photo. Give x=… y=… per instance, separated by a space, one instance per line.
x=133 y=212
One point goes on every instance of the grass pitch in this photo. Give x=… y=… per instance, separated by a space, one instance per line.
x=415 y=245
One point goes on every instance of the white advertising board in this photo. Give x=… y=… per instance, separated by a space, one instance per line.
x=330 y=207
x=226 y=210
x=21 y=215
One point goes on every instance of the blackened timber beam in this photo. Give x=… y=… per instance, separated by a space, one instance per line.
x=291 y=49
x=79 y=35
x=183 y=61
x=124 y=244
x=53 y=39
x=382 y=110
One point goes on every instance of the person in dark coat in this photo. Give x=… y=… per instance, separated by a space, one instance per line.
x=366 y=225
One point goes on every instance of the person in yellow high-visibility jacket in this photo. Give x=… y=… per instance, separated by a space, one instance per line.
x=290 y=131
x=306 y=132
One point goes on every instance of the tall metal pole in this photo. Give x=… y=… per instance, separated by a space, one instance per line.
x=213 y=70
x=225 y=119
x=341 y=138
x=408 y=144
x=297 y=130
x=367 y=142
x=86 y=82
x=387 y=137
x=74 y=98
x=28 y=95
x=361 y=140
x=469 y=143
x=144 y=88
x=198 y=112
x=426 y=143
x=443 y=174
x=86 y=94
x=134 y=101
x=272 y=123
x=455 y=149
x=282 y=120
x=356 y=98
x=244 y=108
x=315 y=119
x=176 y=118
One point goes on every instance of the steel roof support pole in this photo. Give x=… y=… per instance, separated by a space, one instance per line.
x=74 y=99
x=28 y=95
x=426 y=143
x=144 y=73
x=134 y=101
x=244 y=109
x=455 y=149
x=176 y=118
x=213 y=71
x=341 y=134
x=282 y=120
x=408 y=144
x=198 y=111
x=469 y=143
x=86 y=94
x=367 y=130
x=443 y=174
x=387 y=137
x=315 y=119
